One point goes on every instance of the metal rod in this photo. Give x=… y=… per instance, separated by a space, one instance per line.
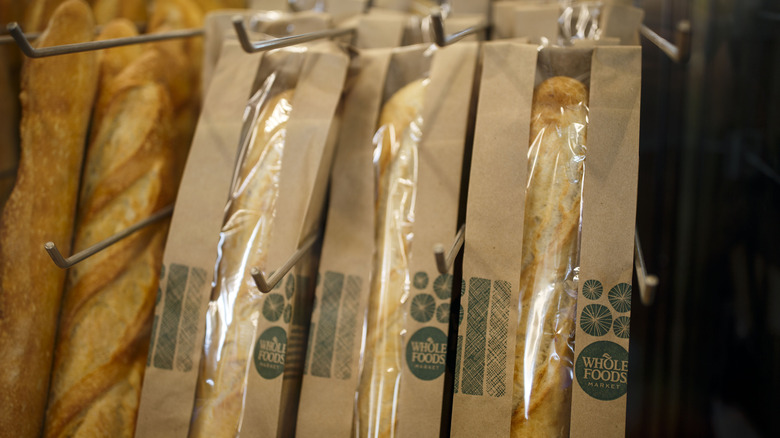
x=276 y=43
x=24 y=44
x=647 y=282
x=65 y=263
x=443 y=264
x=266 y=286
x=679 y=52
x=442 y=40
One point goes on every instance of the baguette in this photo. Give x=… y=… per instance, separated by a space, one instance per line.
x=400 y=124
x=230 y=329
x=109 y=298
x=57 y=96
x=545 y=338
x=38 y=13
x=112 y=62
x=107 y=10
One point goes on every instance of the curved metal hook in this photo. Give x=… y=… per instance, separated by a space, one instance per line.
x=266 y=286
x=65 y=263
x=276 y=43
x=679 y=52
x=443 y=264
x=442 y=40
x=24 y=44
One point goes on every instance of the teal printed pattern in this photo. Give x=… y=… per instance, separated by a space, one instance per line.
x=296 y=354
x=188 y=329
x=620 y=297
x=156 y=316
x=476 y=328
x=592 y=289
x=345 y=340
x=166 y=342
x=309 y=348
x=443 y=286
x=458 y=356
x=499 y=328
x=329 y=315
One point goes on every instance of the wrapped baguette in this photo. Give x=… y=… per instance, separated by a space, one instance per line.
x=400 y=127
x=109 y=298
x=231 y=331
x=548 y=291
x=57 y=96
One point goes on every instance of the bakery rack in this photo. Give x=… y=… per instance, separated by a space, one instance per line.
x=679 y=52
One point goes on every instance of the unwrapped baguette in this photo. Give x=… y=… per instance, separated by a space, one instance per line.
x=231 y=329
x=548 y=292
x=400 y=125
x=109 y=298
x=57 y=96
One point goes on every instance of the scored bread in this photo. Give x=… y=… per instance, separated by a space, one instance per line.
x=231 y=320
x=548 y=292
x=400 y=125
x=109 y=298
x=57 y=96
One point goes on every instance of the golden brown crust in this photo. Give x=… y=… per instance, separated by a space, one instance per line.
x=112 y=62
x=109 y=298
x=57 y=96
x=38 y=13
x=544 y=350
x=107 y=10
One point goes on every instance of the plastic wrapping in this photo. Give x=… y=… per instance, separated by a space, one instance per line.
x=396 y=142
x=232 y=318
x=579 y=21
x=550 y=259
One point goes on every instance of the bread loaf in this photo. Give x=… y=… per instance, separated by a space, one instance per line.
x=111 y=63
x=548 y=292
x=400 y=125
x=107 y=10
x=57 y=96
x=109 y=298
x=231 y=320
x=38 y=13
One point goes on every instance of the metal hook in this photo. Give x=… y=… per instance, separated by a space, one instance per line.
x=679 y=52
x=647 y=282
x=437 y=25
x=24 y=44
x=266 y=286
x=443 y=264
x=65 y=263
x=276 y=43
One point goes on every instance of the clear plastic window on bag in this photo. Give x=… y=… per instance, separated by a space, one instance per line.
x=395 y=158
x=231 y=320
x=551 y=245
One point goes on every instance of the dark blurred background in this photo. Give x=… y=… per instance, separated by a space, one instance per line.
x=705 y=356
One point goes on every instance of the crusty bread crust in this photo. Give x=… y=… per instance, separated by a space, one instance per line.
x=109 y=298
x=399 y=125
x=545 y=337
x=57 y=96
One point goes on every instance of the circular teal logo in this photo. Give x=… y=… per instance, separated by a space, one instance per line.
x=420 y=280
x=592 y=289
x=270 y=351
x=596 y=320
x=273 y=306
x=289 y=287
x=602 y=370
x=422 y=308
x=620 y=297
x=443 y=286
x=443 y=313
x=426 y=353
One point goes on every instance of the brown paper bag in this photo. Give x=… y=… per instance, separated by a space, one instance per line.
x=482 y=400
x=188 y=262
x=491 y=377
x=316 y=75
x=445 y=118
x=380 y=29
x=622 y=22
x=334 y=349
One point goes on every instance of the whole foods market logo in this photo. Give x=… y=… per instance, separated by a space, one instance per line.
x=426 y=353
x=602 y=370
x=270 y=352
